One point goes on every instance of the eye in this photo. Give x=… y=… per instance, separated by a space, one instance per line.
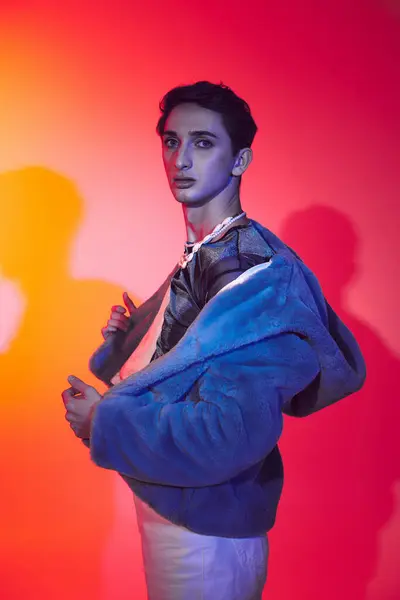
x=170 y=143
x=204 y=144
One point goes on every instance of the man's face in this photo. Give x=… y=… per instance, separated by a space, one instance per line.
x=197 y=154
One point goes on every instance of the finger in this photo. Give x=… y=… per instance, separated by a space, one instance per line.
x=73 y=412
x=118 y=324
x=119 y=309
x=71 y=394
x=67 y=395
x=118 y=317
x=106 y=331
x=70 y=417
x=77 y=384
x=75 y=428
x=130 y=305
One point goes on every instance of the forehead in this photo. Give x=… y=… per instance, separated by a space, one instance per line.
x=192 y=117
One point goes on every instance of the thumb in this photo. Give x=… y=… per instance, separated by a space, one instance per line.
x=130 y=305
x=77 y=384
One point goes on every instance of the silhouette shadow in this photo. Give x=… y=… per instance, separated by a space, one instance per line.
x=56 y=507
x=341 y=464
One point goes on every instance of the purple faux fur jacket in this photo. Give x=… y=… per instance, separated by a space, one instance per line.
x=195 y=433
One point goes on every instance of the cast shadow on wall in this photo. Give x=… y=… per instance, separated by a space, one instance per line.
x=56 y=507
x=341 y=464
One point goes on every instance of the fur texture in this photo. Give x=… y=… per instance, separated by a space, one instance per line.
x=195 y=433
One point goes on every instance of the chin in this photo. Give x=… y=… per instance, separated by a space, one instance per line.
x=189 y=199
x=183 y=197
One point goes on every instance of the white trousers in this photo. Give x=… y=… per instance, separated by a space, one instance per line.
x=182 y=565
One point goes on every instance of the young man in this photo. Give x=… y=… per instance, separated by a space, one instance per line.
x=238 y=334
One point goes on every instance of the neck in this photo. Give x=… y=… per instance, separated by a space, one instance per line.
x=201 y=220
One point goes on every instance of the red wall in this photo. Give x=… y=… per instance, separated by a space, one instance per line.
x=86 y=213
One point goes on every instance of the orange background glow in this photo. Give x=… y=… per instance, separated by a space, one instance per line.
x=86 y=214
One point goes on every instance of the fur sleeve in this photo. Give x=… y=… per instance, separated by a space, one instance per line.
x=208 y=424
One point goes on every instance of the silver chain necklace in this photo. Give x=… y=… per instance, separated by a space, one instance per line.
x=218 y=229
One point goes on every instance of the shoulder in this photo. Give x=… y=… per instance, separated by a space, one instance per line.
x=221 y=262
x=243 y=240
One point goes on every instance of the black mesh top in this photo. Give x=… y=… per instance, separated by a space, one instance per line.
x=215 y=265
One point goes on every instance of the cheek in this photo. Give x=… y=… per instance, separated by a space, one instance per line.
x=218 y=168
x=167 y=158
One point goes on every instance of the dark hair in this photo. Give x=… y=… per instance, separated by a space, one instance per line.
x=235 y=112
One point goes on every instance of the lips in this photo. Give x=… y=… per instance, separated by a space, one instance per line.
x=184 y=182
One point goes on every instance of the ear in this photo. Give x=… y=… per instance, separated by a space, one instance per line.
x=242 y=161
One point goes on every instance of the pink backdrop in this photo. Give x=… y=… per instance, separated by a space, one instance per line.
x=86 y=213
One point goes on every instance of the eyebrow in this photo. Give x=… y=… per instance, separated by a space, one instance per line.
x=195 y=133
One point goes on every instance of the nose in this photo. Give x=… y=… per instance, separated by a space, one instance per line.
x=183 y=159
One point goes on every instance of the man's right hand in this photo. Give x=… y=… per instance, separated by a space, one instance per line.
x=119 y=320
